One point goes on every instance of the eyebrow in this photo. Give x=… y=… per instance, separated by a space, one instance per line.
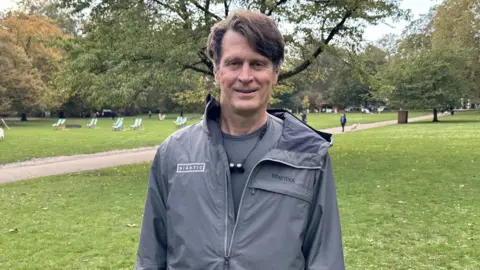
x=235 y=58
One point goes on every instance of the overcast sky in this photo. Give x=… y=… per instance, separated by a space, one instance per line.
x=371 y=33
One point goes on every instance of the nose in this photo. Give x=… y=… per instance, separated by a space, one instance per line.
x=245 y=75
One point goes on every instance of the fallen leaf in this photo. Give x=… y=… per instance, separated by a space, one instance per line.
x=13 y=230
x=132 y=225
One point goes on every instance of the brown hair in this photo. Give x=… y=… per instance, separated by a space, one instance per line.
x=260 y=31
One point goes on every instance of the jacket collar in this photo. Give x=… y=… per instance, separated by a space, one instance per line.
x=297 y=137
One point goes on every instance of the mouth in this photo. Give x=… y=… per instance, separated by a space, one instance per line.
x=244 y=91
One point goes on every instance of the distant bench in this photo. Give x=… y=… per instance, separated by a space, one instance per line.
x=73 y=126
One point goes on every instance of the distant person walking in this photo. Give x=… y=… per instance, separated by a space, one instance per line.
x=343 y=121
x=149 y=114
x=303 y=114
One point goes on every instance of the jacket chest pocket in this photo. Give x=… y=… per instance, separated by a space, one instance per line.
x=283 y=180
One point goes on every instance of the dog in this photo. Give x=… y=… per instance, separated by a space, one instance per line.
x=354 y=127
x=2 y=134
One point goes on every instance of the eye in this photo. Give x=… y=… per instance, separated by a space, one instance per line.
x=258 y=65
x=234 y=63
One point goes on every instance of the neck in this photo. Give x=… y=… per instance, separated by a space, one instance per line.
x=237 y=125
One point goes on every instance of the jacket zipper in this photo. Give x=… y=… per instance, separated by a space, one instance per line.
x=226 y=258
x=229 y=251
x=226 y=264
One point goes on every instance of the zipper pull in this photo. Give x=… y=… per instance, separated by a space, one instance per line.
x=227 y=262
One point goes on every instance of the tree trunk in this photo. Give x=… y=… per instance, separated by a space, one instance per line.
x=24 y=117
x=435 y=115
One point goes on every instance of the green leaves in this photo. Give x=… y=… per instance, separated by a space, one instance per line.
x=132 y=38
x=430 y=79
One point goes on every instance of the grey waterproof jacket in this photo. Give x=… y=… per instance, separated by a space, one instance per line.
x=287 y=219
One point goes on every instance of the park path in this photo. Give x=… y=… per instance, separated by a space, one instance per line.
x=68 y=164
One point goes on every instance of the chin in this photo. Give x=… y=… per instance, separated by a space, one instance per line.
x=245 y=109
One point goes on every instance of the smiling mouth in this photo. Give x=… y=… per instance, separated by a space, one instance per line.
x=244 y=91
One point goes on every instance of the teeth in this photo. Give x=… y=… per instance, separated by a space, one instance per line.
x=246 y=91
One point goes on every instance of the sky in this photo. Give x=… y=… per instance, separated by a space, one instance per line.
x=417 y=7
x=372 y=33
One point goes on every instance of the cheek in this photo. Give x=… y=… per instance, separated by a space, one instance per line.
x=225 y=78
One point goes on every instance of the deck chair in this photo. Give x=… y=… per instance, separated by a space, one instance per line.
x=93 y=123
x=117 y=121
x=137 y=125
x=179 y=122
x=55 y=125
x=182 y=122
x=118 y=125
x=59 y=124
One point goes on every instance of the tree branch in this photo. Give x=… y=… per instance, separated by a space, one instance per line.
x=277 y=4
x=195 y=3
x=206 y=72
x=205 y=60
x=142 y=58
x=207 y=15
x=166 y=6
x=318 y=51
x=227 y=7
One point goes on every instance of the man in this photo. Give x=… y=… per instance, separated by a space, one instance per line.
x=244 y=189
x=303 y=114
x=343 y=121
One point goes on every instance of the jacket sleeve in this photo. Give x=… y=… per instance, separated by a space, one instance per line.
x=322 y=245
x=152 y=249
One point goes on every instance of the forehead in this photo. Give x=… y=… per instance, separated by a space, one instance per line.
x=235 y=45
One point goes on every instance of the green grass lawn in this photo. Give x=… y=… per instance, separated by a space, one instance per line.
x=37 y=139
x=408 y=198
x=322 y=121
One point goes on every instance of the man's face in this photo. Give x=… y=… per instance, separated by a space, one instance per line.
x=244 y=76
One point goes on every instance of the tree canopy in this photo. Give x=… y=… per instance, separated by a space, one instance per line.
x=28 y=62
x=144 y=55
x=134 y=50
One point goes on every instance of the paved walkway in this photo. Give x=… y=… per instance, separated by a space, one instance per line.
x=69 y=164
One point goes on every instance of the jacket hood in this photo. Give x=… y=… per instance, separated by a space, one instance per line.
x=297 y=137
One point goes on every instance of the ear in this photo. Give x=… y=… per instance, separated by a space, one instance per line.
x=276 y=72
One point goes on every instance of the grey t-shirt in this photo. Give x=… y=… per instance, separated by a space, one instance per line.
x=238 y=147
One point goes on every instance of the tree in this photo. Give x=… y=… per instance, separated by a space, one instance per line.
x=64 y=18
x=352 y=81
x=457 y=24
x=432 y=79
x=120 y=62
x=20 y=83
x=306 y=102
x=158 y=39
x=29 y=62
x=347 y=89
